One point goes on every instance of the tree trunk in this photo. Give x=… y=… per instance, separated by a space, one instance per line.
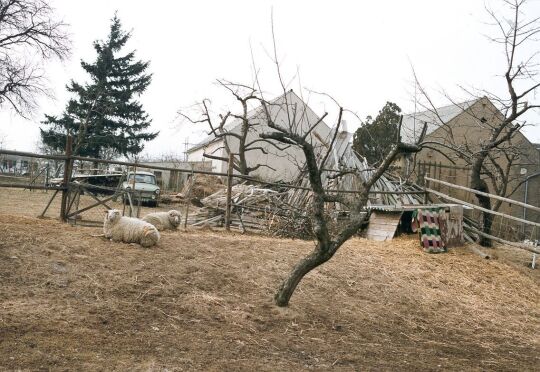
x=286 y=289
x=477 y=183
x=243 y=162
x=487 y=220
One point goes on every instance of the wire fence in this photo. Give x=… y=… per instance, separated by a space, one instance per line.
x=75 y=199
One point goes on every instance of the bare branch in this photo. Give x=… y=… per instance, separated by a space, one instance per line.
x=331 y=146
x=28 y=27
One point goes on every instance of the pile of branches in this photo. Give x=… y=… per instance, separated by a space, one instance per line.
x=254 y=208
x=284 y=211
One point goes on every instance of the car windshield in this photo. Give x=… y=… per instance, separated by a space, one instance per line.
x=143 y=178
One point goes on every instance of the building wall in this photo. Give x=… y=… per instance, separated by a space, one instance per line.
x=468 y=129
x=174 y=180
x=278 y=165
x=215 y=148
x=19 y=165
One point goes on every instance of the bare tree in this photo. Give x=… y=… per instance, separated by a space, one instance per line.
x=284 y=124
x=327 y=243
x=296 y=132
x=492 y=157
x=503 y=170
x=29 y=35
x=234 y=129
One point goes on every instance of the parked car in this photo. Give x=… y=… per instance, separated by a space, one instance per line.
x=145 y=186
x=100 y=184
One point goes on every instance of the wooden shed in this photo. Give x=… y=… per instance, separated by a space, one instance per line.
x=388 y=220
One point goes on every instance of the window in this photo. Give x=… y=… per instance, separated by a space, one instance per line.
x=143 y=178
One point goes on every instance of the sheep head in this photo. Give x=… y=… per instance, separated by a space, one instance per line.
x=174 y=217
x=113 y=215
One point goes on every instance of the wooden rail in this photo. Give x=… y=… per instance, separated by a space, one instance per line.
x=524 y=205
x=444 y=196
x=503 y=241
x=32 y=187
x=192 y=171
x=33 y=155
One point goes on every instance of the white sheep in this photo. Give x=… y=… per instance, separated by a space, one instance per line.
x=164 y=220
x=119 y=228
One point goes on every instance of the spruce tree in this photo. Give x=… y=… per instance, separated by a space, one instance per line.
x=104 y=116
x=375 y=138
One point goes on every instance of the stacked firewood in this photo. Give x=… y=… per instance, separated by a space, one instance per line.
x=253 y=208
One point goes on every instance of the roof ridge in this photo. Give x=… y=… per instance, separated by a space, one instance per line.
x=460 y=105
x=210 y=137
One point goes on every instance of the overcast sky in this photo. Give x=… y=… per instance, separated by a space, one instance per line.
x=360 y=52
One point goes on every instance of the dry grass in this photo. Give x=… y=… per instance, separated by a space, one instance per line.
x=31 y=204
x=202 y=300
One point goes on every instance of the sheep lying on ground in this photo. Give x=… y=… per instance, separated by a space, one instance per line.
x=164 y=220
x=129 y=230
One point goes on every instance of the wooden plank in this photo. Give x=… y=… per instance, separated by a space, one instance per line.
x=67 y=176
x=512 y=244
x=96 y=198
x=101 y=202
x=381 y=223
x=31 y=187
x=32 y=155
x=382 y=226
x=229 y=191
x=444 y=196
x=475 y=249
x=48 y=204
x=524 y=205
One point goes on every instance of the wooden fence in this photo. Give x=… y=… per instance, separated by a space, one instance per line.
x=70 y=191
x=477 y=231
x=70 y=209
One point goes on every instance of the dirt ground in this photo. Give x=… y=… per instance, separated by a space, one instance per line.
x=202 y=300
x=32 y=203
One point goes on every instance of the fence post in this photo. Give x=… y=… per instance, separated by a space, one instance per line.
x=188 y=195
x=67 y=178
x=426 y=197
x=420 y=173
x=132 y=191
x=229 y=192
x=46 y=183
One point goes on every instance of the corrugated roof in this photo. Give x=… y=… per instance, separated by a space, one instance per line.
x=412 y=124
x=409 y=207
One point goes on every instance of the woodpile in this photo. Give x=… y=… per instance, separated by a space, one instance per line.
x=277 y=211
x=201 y=186
x=283 y=210
x=254 y=208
